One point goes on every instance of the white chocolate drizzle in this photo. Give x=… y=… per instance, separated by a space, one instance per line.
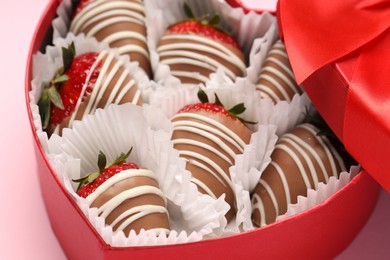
x=277 y=73
x=216 y=133
x=294 y=146
x=102 y=14
x=132 y=214
x=105 y=78
x=186 y=53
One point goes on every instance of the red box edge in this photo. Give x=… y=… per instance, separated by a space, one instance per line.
x=45 y=23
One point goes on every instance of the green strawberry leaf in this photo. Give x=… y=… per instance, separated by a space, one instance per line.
x=203 y=96
x=81 y=182
x=102 y=161
x=215 y=20
x=237 y=109
x=246 y=121
x=91 y=177
x=44 y=105
x=122 y=158
x=55 y=97
x=60 y=79
x=188 y=11
x=218 y=101
x=86 y=180
x=68 y=55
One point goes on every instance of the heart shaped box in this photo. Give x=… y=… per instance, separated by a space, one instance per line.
x=319 y=233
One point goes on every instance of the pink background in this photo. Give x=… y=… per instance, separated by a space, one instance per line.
x=25 y=231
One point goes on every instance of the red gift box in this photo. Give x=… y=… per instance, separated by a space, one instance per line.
x=321 y=232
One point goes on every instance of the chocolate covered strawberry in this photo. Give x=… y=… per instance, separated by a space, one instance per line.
x=209 y=137
x=84 y=83
x=302 y=159
x=119 y=23
x=195 y=48
x=276 y=80
x=127 y=197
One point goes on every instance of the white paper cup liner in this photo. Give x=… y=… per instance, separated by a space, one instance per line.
x=113 y=131
x=323 y=192
x=62 y=21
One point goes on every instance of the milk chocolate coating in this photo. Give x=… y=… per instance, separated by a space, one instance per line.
x=276 y=79
x=200 y=157
x=299 y=154
x=120 y=23
x=154 y=219
x=113 y=88
x=192 y=64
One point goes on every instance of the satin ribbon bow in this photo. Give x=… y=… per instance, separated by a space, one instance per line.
x=319 y=32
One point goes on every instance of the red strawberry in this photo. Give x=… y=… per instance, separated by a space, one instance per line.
x=203 y=27
x=200 y=135
x=195 y=48
x=68 y=96
x=91 y=182
x=132 y=201
x=60 y=97
x=216 y=107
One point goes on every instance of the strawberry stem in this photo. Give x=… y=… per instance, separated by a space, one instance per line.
x=50 y=93
x=55 y=97
x=68 y=55
x=102 y=161
x=237 y=109
x=215 y=20
x=234 y=111
x=202 y=96
x=218 y=101
x=187 y=10
x=121 y=158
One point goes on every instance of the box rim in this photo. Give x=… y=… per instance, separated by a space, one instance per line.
x=43 y=25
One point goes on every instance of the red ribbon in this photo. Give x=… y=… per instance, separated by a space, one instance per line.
x=320 y=32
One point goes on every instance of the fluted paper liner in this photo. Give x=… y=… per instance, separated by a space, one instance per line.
x=115 y=130
x=323 y=192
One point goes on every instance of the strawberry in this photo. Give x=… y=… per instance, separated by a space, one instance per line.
x=91 y=182
x=302 y=159
x=195 y=48
x=60 y=96
x=208 y=28
x=130 y=200
x=216 y=108
x=118 y=23
x=209 y=136
x=84 y=84
x=205 y=29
